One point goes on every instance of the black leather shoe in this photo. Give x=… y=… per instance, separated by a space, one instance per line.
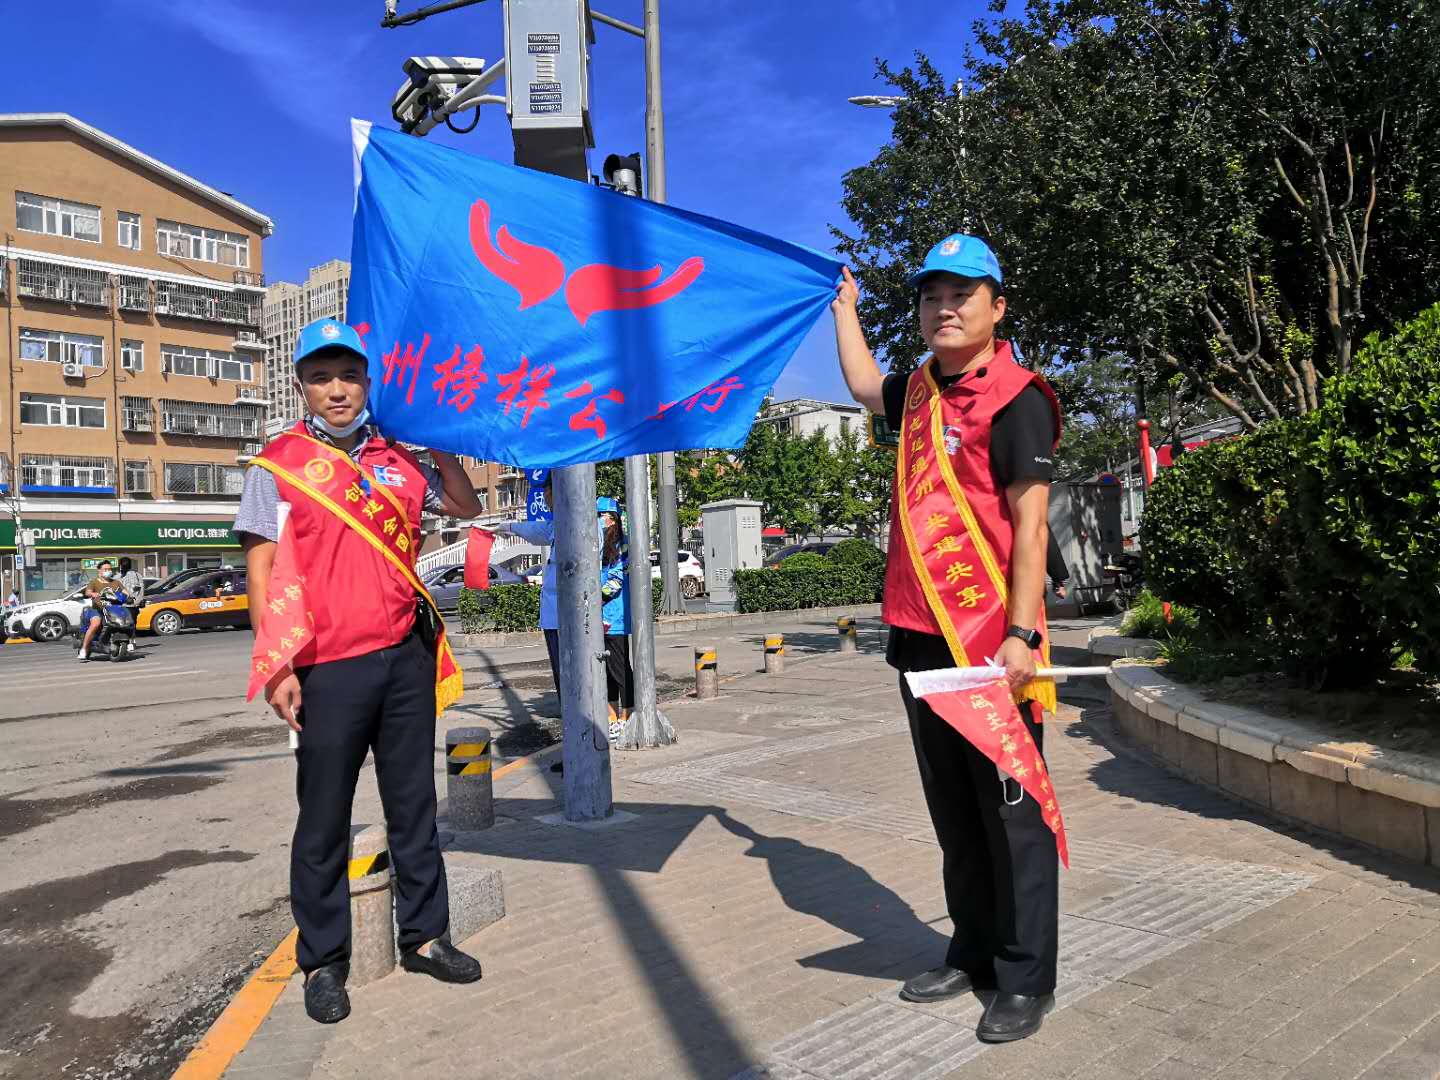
x=937 y=984
x=1010 y=1017
x=445 y=962
x=325 y=998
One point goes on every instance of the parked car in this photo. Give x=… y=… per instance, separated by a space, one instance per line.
x=692 y=572
x=204 y=598
x=48 y=620
x=447 y=581
x=818 y=547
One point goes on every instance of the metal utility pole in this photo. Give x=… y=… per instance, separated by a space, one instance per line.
x=671 y=602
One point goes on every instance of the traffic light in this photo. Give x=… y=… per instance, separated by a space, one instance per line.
x=622 y=172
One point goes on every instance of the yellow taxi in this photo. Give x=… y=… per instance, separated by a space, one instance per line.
x=212 y=598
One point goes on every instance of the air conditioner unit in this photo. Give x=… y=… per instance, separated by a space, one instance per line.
x=72 y=371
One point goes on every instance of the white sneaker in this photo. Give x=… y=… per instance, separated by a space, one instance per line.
x=82 y=656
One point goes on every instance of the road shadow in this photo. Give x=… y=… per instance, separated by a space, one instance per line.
x=1137 y=774
x=823 y=884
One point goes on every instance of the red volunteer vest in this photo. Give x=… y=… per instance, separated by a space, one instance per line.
x=359 y=602
x=950 y=516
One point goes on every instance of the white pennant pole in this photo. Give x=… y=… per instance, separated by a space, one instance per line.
x=944 y=680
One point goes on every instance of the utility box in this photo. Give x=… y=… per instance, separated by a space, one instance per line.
x=547 y=85
x=732 y=542
x=1085 y=522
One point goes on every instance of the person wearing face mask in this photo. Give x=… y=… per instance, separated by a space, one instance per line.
x=355 y=661
x=104 y=579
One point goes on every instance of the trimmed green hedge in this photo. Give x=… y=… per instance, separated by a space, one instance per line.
x=512 y=608
x=1318 y=539
x=784 y=587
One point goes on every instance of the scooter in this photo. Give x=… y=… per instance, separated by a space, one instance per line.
x=115 y=639
x=1124 y=572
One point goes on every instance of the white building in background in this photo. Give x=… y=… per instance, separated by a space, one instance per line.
x=288 y=307
x=801 y=417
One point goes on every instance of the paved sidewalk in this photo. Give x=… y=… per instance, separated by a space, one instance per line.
x=780 y=878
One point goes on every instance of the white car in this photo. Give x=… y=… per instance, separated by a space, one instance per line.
x=692 y=572
x=49 y=620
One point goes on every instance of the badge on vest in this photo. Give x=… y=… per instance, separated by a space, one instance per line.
x=952 y=439
x=389 y=475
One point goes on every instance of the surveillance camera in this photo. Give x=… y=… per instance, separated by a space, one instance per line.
x=451 y=69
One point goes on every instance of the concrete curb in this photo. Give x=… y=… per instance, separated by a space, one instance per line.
x=1106 y=642
x=1388 y=799
x=720 y=621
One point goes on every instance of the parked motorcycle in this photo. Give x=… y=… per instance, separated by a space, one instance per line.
x=1124 y=573
x=116 y=636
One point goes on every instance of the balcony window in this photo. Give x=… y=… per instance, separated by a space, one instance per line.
x=56 y=217
x=61 y=475
x=213 y=421
x=67 y=284
x=204 y=245
x=184 y=478
x=127 y=230
x=205 y=364
x=200 y=302
x=56 y=347
x=134 y=294
x=54 y=410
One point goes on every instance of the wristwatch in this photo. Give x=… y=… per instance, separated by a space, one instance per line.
x=1031 y=638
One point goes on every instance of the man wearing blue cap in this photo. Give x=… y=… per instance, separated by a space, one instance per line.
x=351 y=654
x=965 y=582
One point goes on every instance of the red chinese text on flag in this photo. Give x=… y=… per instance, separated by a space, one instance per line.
x=987 y=716
x=477 y=559
x=286 y=626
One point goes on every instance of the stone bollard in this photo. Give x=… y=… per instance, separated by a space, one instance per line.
x=372 y=917
x=468 y=780
x=846 y=625
x=707 y=677
x=774 y=654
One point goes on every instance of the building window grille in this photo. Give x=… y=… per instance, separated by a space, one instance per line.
x=211 y=421
x=66 y=284
x=67 y=473
x=133 y=293
x=185 y=478
x=56 y=217
x=138 y=414
x=184 y=301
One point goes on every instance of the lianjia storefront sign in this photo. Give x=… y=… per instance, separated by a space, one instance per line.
x=129 y=535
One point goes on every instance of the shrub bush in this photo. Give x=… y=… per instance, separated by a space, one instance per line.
x=500 y=609
x=787 y=587
x=1318 y=539
x=1147 y=618
x=807 y=560
x=856 y=552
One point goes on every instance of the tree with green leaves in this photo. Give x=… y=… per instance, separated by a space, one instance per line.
x=1232 y=192
x=855 y=486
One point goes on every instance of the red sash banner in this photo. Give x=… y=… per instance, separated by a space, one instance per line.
x=987 y=716
x=477 y=558
x=346 y=490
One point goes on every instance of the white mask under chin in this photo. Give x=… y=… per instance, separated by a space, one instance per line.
x=345 y=432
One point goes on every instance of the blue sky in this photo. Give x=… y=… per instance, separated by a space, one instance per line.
x=254 y=98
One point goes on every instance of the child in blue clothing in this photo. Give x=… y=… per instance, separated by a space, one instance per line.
x=619 y=680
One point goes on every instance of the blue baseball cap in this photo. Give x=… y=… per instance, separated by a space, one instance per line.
x=967 y=256
x=607 y=505
x=328 y=334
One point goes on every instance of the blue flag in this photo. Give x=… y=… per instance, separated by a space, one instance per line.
x=530 y=319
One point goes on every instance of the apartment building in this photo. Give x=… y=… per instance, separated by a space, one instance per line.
x=134 y=364
x=802 y=417
x=287 y=308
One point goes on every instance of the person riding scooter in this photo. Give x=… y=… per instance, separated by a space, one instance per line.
x=109 y=625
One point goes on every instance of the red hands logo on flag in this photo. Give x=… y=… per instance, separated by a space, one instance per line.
x=537 y=274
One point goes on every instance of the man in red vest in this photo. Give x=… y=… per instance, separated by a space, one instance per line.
x=965 y=584
x=351 y=655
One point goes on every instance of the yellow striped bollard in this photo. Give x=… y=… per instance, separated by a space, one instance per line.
x=707 y=677
x=774 y=654
x=468 y=780
x=845 y=624
x=372 y=918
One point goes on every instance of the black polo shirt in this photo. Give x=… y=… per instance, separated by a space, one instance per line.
x=1022 y=440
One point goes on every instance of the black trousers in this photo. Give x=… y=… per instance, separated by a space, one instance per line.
x=619 y=678
x=382 y=701
x=552 y=648
x=1001 y=870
